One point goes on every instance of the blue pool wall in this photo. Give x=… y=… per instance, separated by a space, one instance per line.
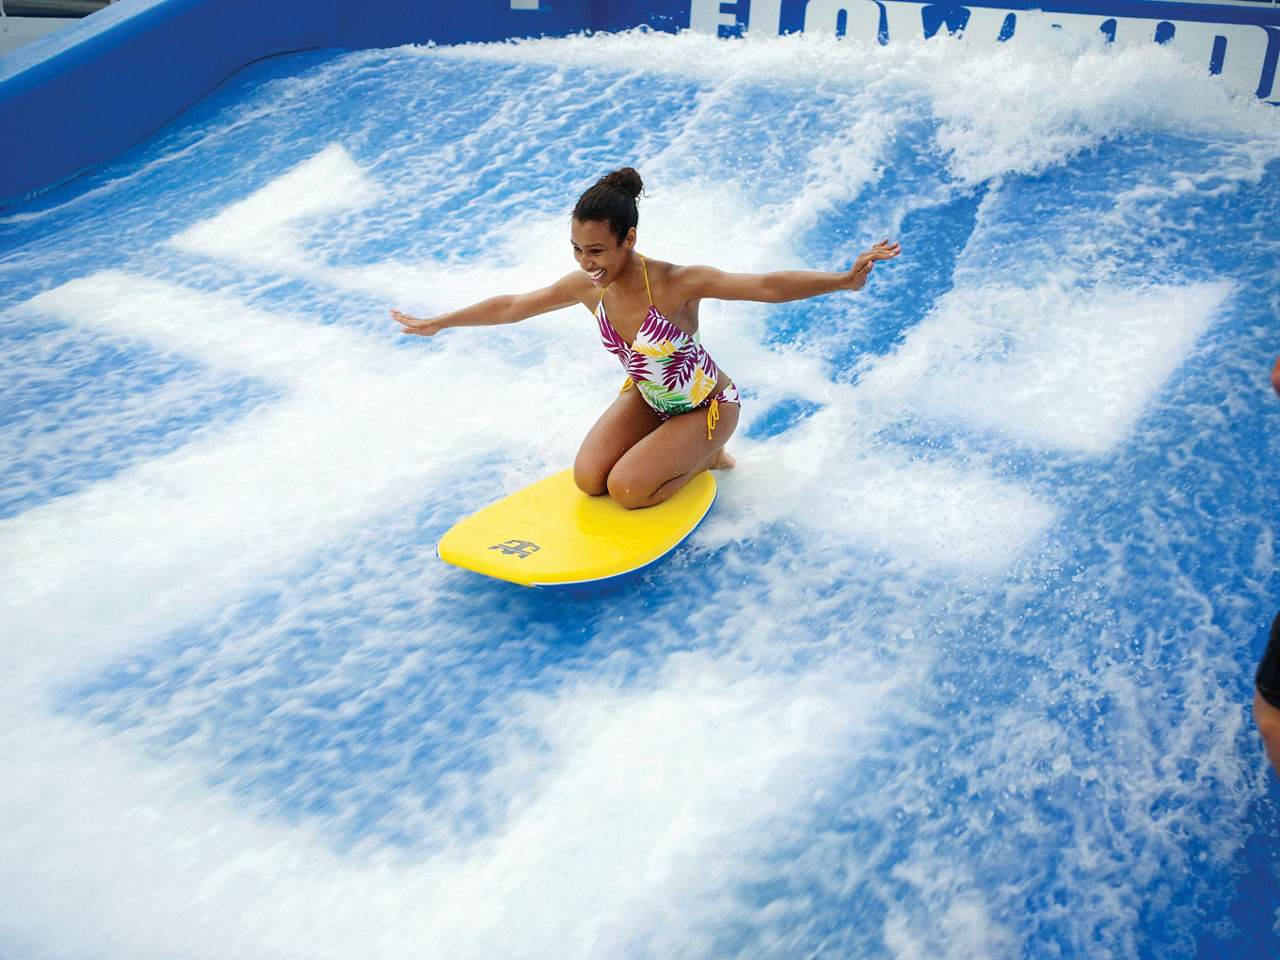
x=83 y=94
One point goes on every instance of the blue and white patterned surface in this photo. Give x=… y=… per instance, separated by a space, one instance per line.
x=958 y=667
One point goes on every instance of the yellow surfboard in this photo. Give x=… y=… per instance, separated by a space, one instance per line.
x=553 y=535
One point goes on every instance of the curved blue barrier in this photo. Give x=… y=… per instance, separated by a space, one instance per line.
x=84 y=94
x=81 y=95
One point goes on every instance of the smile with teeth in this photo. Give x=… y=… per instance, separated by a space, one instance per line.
x=597 y=275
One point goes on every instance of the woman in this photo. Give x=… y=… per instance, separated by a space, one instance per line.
x=674 y=424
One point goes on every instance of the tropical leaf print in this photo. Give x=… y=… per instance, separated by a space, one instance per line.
x=700 y=386
x=657 y=351
x=677 y=369
x=612 y=342
x=639 y=368
x=664 y=400
x=670 y=368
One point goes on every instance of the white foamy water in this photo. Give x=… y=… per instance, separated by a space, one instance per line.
x=955 y=668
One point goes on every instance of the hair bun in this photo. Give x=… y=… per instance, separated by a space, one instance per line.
x=626 y=180
x=612 y=200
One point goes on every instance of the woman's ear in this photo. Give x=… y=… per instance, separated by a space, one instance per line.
x=629 y=240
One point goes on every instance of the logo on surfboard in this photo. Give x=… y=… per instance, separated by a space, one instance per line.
x=517 y=548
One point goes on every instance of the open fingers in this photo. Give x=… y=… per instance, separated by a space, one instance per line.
x=884 y=250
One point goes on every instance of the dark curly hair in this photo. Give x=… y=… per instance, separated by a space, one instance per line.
x=612 y=199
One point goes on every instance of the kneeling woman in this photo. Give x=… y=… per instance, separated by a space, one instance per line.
x=677 y=409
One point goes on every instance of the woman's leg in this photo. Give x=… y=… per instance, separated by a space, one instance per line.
x=664 y=460
x=627 y=421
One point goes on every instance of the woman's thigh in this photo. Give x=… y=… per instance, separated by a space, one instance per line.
x=664 y=460
x=627 y=422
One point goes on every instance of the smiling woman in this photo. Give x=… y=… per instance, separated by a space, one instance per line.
x=674 y=424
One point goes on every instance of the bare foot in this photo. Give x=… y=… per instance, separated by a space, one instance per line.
x=722 y=461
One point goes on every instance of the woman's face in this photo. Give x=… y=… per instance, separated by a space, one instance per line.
x=599 y=252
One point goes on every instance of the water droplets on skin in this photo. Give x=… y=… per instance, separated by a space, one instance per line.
x=933 y=679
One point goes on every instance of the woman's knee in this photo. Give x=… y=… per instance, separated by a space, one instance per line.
x=591 y=477
x=629 y=490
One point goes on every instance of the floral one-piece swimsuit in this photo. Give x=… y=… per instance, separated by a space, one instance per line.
x=670 y=368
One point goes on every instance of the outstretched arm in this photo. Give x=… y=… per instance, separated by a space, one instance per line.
x=781 y=285
x=506 y=308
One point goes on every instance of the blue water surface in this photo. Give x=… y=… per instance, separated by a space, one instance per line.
x=1059 y=759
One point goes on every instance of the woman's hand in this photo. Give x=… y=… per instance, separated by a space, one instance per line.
x=856 y=278
x=416 y=326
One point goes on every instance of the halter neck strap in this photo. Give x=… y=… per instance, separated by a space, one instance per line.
x=646 y=279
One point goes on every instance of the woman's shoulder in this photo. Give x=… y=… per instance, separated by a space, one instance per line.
x=688 y=281
x=578 y=286
x=666 y=273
